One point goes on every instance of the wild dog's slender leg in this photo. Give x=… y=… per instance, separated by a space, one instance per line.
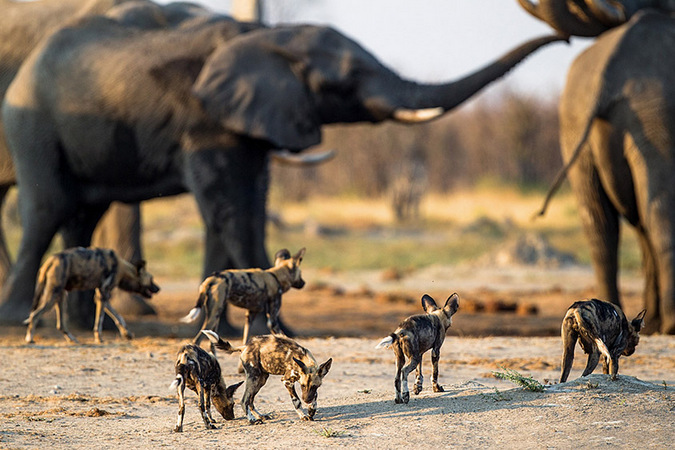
x=62 y=318
x=592 y=363
x=273 y=309
x=419 y=378
x=181 y=406
x=98 y=321
x=569 y=338
x=435 y=357
x=119 y=321
x=202 y=406
x=297 y=404
x=400 y=361
x=605 y=365
x=255 y=380
x=46 y=302
x=415 y=360
x=250 y=315
x=207 y=394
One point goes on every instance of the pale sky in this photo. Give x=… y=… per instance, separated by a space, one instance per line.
x=439 y=40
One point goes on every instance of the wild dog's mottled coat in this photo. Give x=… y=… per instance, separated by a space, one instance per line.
x=601 y=328
x=255 y=290
x=277 y=355
x=416 y=335
x=200 y=372
x=80 y=269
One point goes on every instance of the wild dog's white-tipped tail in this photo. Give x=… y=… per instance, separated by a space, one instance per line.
x=212 y=335
x=386 y=342
x=192 y=315
x=176 y=382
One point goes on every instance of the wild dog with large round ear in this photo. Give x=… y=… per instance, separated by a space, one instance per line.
x=601 y=329
x=82 y=269
x=416 y=335
x=255 y=290
x=200 y=371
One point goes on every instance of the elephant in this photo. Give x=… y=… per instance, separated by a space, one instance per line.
x=101 y=113
x=617 y=126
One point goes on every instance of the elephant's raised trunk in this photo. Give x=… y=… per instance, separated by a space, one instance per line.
x=431 y=99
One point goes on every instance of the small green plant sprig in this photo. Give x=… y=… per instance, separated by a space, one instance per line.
x=527 y=383
x=328 y=432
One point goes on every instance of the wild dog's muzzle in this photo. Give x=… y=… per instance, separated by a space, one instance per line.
x=148 y=291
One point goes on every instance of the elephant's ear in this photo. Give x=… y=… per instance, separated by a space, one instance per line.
x=255 y=90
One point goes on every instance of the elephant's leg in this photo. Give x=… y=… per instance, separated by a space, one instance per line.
x=39 y=223
x=5 y=259
x=600 y=221
x=651 y=286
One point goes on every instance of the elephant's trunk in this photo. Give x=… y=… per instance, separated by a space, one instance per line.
x=430 y=97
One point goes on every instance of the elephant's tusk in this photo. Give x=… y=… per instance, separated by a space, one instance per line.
x=305 y=159
x=417 y=115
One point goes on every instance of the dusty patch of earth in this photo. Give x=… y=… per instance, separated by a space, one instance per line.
x=116 y=395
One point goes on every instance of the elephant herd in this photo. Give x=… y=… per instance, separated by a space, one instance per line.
x=123 y=101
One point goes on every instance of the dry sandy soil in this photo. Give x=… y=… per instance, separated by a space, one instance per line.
x=116 y=395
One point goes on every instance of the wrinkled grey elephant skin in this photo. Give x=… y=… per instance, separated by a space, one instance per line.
x=113 y=114
x=618 y=111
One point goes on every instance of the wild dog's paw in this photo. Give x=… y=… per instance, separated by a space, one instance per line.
x=307 y=418
x=255 y=421
x=405 y=397
x=438 y=388
x=417 y=389
x=178 y=429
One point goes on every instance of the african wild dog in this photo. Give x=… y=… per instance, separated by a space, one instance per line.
x=255 y=290
x=200 y=372
x=277 y=355
x=81 y=269
x=601 y=328
x=413 y=337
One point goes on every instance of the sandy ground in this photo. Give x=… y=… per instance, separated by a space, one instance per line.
x=116 y=395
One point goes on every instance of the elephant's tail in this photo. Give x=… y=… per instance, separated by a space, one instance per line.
x=562 y=173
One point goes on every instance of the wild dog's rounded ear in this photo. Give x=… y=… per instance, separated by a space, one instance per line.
x=282 y=254
x=301 y=253
x=325 y=367
x=139 y=264
x=639 y=321
x=428 y=303
x=452 y=303
x=301 y=365
x=229 y=392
